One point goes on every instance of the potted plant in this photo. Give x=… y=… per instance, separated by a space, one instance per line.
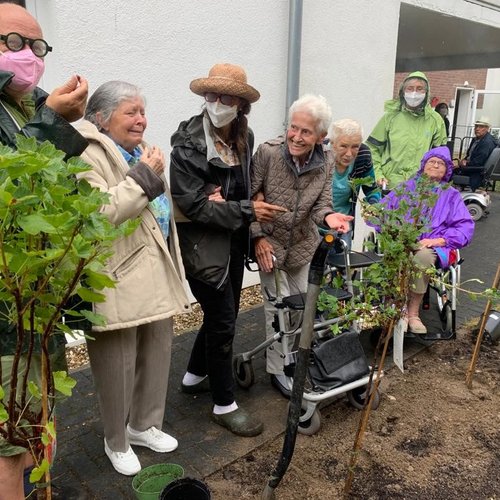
x=54 y=243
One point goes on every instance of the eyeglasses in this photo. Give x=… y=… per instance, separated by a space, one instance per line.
x=226 y=99
x=16 y=42
x=438 y=163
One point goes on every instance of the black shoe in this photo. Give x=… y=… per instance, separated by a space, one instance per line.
x=239 y=422
x=285 y=391
x=203 y=386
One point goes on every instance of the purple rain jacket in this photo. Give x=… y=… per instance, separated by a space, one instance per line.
x=449 y=217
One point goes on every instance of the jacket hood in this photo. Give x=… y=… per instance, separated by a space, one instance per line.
x=399 y=103
x=443 y=153
x=190 y=134
x=411 y=76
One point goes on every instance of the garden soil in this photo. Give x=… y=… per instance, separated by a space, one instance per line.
x=431 y=438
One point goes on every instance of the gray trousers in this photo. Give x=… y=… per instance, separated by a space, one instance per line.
x=292 y=281
x=130 y=369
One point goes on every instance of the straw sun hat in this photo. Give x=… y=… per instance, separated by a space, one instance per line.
x=226 y=79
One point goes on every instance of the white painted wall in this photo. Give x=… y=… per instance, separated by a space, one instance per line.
x=162 y=45
x=348 y=52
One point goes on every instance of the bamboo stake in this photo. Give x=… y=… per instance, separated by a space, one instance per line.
x=365 y=415
x=477 y=347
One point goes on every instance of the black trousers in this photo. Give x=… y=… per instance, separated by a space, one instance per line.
x=476 y=175
x=212 y=352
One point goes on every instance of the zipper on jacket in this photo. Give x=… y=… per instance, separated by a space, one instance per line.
x=224 y=276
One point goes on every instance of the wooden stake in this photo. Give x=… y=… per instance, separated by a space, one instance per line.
x=475 y=354
x=365 y=415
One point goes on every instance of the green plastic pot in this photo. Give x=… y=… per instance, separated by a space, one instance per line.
x=150 y=482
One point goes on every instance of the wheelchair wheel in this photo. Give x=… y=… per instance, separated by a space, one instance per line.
x=476 y=211
x=357 y=397
x=243 y=372
x=446 y=317
x=310 y=426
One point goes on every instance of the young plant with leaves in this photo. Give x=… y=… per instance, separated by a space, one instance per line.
x=54 y=243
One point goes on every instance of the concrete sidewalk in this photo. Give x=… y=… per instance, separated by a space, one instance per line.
x=204 y=447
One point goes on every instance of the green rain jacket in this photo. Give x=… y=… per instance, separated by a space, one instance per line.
x=402 y=136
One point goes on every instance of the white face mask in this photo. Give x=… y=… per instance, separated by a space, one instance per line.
x=414 y=99
x=220 y=114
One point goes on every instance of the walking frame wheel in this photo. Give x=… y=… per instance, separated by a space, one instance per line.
x=358 y=396
x=243 y=371
x=308 y=425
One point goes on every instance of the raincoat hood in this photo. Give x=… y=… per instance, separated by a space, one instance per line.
x=443 y=153
x=411 y=76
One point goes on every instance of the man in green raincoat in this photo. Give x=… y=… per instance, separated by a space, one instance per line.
x=408 y=128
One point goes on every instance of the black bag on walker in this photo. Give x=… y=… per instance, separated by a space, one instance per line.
x=337 y=361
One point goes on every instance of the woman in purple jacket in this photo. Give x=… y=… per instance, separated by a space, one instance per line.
x=451 y=226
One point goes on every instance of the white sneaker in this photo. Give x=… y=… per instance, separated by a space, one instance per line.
x=125 y=463
x=152 y=438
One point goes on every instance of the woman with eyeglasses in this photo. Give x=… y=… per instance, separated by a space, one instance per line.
x=209 y=178
x=447 y=224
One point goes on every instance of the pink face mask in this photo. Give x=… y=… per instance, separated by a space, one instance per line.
x=27 y=69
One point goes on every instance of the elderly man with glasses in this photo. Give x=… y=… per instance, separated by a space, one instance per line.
x=27 y=110
x=478 y=152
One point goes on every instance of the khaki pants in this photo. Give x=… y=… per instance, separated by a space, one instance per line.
x=425 y=258
x=130 y=369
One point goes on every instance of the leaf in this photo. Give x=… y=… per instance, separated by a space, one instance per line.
x=35 y=224
x=4 y=416
x=34 y=390
x=90 y=295
x=99 y=280
x=63 y=383
x=95 y=319
x=38 y=472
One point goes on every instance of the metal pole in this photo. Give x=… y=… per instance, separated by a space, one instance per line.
x=294 y=48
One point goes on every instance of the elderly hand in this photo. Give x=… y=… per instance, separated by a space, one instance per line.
x=382 y=182
x=339 y=222
x=70 y=99
x=264 y=254
x=153 y=157
x=431 y=242
x=265 y=212
x=216 y=195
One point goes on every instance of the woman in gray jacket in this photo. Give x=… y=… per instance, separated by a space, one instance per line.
x=130 y=355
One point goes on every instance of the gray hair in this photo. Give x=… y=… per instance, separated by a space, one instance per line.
x=107 y=98
x=346 y=126
x=317 y=107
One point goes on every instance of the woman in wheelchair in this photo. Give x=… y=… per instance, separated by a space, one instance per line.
x=451 y=226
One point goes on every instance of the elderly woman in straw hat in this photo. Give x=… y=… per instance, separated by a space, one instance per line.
x=209 y=175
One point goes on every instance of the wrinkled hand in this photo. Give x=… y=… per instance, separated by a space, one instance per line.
x=154 y=158
x=264 y=254
x=265 y=212
x=339 y=222
x=216 y=195
x=382 y=182
x=70 y=99
x=462 y=163
x=431 y=242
